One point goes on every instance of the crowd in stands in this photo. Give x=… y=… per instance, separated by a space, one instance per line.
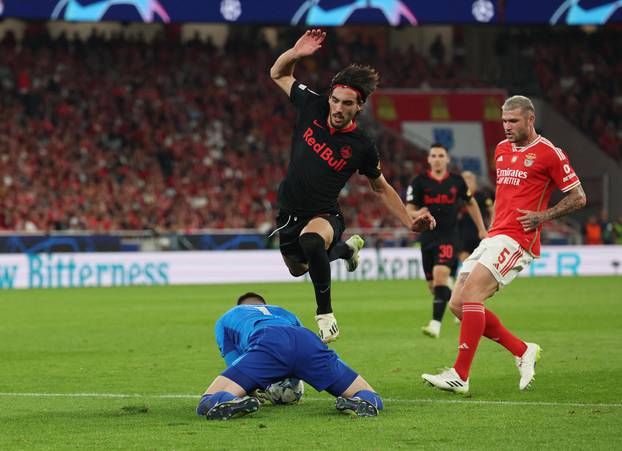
x=584 y=80
x=602 y=230
x=114 y=135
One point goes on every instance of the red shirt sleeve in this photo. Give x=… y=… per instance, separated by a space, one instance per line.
x=560 y=170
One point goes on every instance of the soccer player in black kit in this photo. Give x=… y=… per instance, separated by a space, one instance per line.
x=440 y=192
x=328 y=147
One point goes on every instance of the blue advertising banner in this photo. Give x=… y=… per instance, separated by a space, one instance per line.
x=321 y=12
x=564 y=12
x=293 y=12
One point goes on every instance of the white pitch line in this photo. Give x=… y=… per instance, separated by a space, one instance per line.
x=310 y=398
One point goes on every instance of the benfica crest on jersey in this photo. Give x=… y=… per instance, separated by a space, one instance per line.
x=529 y=159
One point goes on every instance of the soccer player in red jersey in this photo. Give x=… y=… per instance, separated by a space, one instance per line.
x=528 y=168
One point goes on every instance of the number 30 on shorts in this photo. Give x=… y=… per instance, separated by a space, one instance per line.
x=446 y=251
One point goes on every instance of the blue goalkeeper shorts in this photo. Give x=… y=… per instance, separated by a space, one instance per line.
x=279 y=352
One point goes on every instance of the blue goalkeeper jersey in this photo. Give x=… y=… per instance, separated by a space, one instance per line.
x=235 y=327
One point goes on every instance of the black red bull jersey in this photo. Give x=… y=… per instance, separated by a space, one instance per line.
x=322 y=158
x=484 y=201
x=443 y=198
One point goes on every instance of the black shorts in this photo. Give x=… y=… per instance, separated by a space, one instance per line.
x=469 y=240
x=441 y=252
x=290 y=226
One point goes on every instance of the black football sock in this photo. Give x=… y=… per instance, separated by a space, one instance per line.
x=319 y=269
x=340 y=250
x=442 y=294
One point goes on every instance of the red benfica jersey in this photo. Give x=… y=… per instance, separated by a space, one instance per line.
x=526 y=177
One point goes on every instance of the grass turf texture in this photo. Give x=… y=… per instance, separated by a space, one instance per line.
x=146 y=342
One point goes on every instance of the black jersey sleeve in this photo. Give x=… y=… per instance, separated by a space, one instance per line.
x=300 y=95
x=413 y=192
x=371 y=165
x=463 y=191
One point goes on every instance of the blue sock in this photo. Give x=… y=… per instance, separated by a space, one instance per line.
x=209 y=401
x=371 y=397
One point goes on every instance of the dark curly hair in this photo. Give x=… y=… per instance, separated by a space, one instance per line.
x=362 y=78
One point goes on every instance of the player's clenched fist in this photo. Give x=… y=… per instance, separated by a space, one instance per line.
x=422 y=221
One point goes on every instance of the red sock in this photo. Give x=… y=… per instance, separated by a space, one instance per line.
x=497 y=332
x=471 y=330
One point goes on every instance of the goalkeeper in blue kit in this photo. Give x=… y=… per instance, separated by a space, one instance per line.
x=263 y=344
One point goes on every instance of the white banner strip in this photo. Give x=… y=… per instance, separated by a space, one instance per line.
x=68 y=270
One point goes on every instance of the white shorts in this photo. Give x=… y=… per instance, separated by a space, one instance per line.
x=503 y=257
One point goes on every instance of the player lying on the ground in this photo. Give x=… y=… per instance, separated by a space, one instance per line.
x=528 y=169
x=263 y=344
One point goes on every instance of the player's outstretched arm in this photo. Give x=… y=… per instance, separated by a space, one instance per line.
x=575 y=199
x=420 y=221
x=282 y=71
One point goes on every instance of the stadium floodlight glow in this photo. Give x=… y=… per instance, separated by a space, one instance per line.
x=578 y=15
x=75 y=11
x=393 y=11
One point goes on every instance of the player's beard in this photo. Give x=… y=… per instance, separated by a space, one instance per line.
x=342 y=121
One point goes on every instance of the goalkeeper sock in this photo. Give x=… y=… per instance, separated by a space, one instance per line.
x=371 y=397
x=210 y=400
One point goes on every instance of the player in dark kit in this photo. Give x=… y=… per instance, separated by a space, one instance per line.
x=439 y=192
x=469 y=236
x=328 y=147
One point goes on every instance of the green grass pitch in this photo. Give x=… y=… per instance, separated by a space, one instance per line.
x=123 y=368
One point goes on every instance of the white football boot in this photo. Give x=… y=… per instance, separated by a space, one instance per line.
x=526 y=365
x=433 y=329
x=447 y=380
x=329 y=331
x=356 y=243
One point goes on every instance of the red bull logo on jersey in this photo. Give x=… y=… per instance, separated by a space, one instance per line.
x=510 y=176
x=440 y=199
x=326 y=153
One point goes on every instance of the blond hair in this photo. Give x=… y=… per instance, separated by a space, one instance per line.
x=516 y=102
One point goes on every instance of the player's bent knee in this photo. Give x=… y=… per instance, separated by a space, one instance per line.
x=311 y=243
x=298 y=271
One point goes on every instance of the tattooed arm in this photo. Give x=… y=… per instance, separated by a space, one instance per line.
x=575 y=199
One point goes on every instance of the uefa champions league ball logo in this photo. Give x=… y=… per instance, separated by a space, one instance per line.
x=319 y=13
x=74 y=10
x=483 y=10
x=230 y=9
